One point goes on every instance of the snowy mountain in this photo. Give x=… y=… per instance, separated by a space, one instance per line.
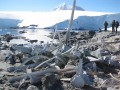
x=82 y=19
x=64 y=6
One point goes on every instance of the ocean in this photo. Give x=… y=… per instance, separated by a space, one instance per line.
x=30 y=34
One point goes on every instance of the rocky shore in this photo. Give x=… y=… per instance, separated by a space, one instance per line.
x=88 y=61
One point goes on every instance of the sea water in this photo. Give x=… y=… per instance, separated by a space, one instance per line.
x=30 y=34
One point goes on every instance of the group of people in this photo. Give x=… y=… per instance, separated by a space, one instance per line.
x=115 y=25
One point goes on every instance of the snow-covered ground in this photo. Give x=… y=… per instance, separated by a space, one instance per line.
x=82 y=19
x=110 y=29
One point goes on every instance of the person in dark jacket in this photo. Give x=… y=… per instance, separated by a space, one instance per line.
x=116 y=25
x=105 y=25
x=113 y=25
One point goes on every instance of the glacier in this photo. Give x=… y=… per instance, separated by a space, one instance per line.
x=82 y=19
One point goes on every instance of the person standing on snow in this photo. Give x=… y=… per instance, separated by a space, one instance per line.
x=113 y=25
x=116 y=25
x=105 y=25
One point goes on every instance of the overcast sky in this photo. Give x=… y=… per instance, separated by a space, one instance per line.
x=48 y=5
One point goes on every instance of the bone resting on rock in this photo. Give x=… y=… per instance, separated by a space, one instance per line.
x=22 y=67
x=38 y=74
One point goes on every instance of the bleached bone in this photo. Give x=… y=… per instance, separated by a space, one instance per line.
x=49 y=60
x=23 y=49
x=22 y=67
x=77 y=80
x=70 y=22
x=38 y=74
x=75 y=51
x=114 y=77
x=37 y=57
x=66 y=47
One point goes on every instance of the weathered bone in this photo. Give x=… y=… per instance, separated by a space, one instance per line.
x=22 y=67
x=23 y=49
x=39 y=74
x=35 y=58
x=49 y=60
x=70 y=22
x=77 y=80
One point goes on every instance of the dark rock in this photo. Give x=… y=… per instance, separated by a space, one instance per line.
x=21 y=32
x=33 y=41
x=92 y=33
x=2 y=81
x=41 y=41
x=8 y=37
x=52 y=82
x=11 y=59
x=32 y=87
